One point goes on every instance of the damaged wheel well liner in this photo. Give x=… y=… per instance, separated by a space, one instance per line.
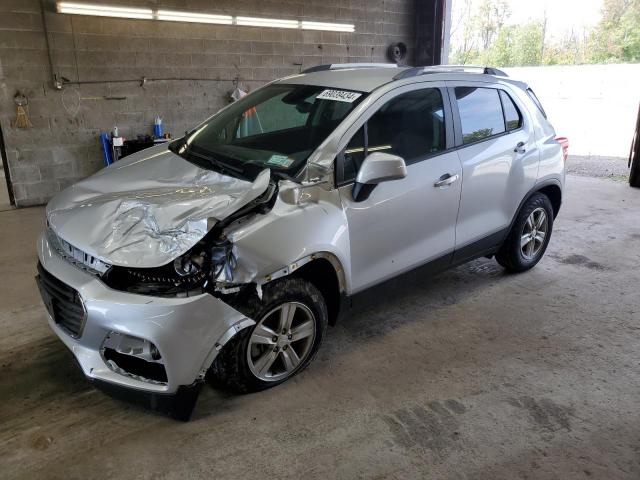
x=322 y=275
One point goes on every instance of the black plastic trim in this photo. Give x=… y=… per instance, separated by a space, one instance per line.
x=485 y=246
x=536 y=188
x=178 y=405
x=362 y=191
x=364 y=297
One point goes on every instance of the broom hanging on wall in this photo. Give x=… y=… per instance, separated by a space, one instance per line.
x=22 y=119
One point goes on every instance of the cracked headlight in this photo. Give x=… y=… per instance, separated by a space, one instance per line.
x=189 y=264
x=207 y=263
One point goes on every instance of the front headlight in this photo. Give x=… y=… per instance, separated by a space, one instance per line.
x=207 y=264
x=189 y=264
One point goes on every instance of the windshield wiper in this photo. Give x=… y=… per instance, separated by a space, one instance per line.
x=222 y=166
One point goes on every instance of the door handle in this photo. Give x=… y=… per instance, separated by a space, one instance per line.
x=520 y=148
x=446 y=180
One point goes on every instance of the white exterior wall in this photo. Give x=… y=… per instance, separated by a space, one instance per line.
x=595 y=106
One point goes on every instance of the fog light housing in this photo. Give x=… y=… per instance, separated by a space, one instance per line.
x=133 y=357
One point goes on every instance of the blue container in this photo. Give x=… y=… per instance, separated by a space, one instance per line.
x=106 y=149
x=157 y=128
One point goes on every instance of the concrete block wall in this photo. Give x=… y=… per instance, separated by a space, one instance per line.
x=62 y=146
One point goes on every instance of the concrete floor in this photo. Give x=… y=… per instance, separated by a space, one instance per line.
x=472 y=374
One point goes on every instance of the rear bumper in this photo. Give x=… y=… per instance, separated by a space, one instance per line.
x=188 y=332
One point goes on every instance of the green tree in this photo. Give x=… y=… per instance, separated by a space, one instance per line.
x=490 y=18
x=527 y=44
x=483 y=36
x=501 y=51
x=616 y=38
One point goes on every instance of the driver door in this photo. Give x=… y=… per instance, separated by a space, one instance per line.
x=408 y=222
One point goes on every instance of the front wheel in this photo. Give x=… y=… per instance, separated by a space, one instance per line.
x=529 y=236
x=291 y=321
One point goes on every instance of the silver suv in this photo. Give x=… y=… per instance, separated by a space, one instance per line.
x=226 y=253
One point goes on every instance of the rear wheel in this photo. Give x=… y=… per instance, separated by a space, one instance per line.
x=291 y=321
x=529 y=236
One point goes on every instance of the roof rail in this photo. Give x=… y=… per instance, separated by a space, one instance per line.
x=415 y=71
x=342 y=66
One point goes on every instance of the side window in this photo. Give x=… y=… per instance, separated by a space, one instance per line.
x=410 y=125
x=480 y=113
x=512 y=117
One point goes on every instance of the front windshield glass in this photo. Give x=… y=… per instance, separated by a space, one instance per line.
x=276 y=127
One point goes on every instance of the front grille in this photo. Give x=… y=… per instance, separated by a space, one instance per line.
x=62 y=302
x=75 y=256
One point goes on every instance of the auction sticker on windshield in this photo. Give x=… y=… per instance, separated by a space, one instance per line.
x=280 y=161
x=339 y=96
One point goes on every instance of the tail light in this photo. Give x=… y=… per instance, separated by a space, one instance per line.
x=564 y=141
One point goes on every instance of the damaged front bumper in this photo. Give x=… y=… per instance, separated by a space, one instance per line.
x=147 y=344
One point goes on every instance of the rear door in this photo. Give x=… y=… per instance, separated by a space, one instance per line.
x=499 y=156
x=407 y=222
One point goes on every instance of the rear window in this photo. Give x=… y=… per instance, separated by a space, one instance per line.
x=537 y=103
x=480 y=113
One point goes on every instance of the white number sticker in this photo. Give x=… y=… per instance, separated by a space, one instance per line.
x=339 y=96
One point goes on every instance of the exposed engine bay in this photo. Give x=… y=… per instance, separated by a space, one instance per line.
x=209 y=266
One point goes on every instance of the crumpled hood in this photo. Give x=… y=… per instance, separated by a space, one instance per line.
x=147 y=209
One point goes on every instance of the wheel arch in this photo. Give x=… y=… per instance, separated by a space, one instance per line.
x=551 y=188
x=324 y=270
x=554 y=194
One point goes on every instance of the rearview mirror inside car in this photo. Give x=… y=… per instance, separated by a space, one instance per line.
x=378 y=167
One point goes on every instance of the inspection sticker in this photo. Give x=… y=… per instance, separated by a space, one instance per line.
x=339 y=96
x=280 y=161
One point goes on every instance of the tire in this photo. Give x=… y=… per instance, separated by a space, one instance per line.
x=237 y=366
x=513 y=255
x=634 y=174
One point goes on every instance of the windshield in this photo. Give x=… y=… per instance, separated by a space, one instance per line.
x=276 y=127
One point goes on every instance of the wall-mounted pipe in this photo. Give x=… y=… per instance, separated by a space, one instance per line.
x=144 y=80
x=56 y=83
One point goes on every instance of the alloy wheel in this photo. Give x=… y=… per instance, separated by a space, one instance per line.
x=534 y=233
x=281 y=341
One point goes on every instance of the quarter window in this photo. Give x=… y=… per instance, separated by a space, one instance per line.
x=480 y=113
x=410 y=125
x=512 y=117
x=537 y=103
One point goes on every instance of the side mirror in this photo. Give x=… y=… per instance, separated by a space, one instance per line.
x=378 y=167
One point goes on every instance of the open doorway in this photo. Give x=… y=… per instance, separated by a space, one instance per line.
x=582 y=59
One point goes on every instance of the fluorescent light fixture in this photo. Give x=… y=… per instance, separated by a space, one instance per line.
x=185 y=16
x=104 y=10
x=173 y=16
x=331 y=27
x=266 y=22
